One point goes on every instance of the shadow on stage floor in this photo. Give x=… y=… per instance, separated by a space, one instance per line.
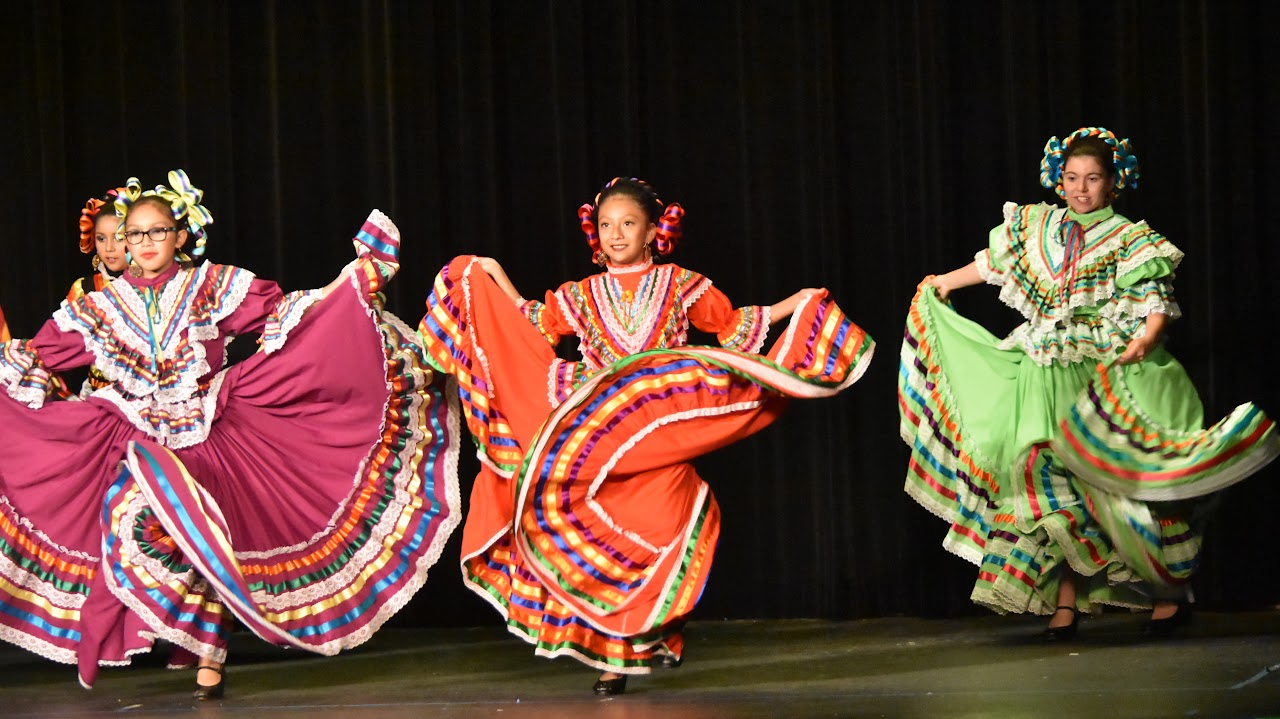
x=898 y=667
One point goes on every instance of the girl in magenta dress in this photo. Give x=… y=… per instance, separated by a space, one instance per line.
x=305 y=491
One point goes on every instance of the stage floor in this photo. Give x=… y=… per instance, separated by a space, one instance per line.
x=899 y=667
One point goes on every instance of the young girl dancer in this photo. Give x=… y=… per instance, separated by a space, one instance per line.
x=306 y=490
x=588 y=528
x=98 y=228
x=1065 y=454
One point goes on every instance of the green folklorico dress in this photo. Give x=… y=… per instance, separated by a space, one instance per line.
x=1038 y=448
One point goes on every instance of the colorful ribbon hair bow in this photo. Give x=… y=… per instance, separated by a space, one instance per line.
x=1122 y=159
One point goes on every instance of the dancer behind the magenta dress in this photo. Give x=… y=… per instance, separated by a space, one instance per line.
x=4 y=328
x=1068 y=456
x=306 y=490
x=591 y=533
x=98 y=236
x=98 y=228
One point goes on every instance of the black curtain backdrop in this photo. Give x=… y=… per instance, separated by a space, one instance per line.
x=857 y=146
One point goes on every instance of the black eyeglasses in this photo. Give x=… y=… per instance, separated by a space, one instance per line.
x=157 y=235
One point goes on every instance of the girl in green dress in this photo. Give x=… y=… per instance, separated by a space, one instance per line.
x=1070 y=455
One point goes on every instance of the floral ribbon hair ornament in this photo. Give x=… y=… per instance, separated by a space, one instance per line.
x=1122 y=159
x=183 y=199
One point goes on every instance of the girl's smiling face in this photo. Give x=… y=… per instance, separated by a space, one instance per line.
x=625 y=230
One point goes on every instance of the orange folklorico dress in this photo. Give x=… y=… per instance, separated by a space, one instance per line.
x=588 y=530
x=81 y=287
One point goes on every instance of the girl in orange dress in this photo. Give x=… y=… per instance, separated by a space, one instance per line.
x=589 y=531
x=98 y=226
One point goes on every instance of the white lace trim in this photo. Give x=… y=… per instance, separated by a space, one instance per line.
x=927 y=435
x=44 y=589
x=788 y=337
x=350 y=574
x=988 y=273
x=340 y=512
x=1013 y=295
x=704 y=492
x=11 y=377
x=574 y=653
x=162 y=630
x=480 y=353
x=36 y=645
x=700 y=289
x=584 y=350
x=44 y=538
x=1029 y=338
x=170 y=299
x=1125 y=308
x=1149 y=251
x=184 y=401
x=617 y=456
x=632 y=342
x=378 y=219
x=553 y=376
x=486 y=461
x=292 y=317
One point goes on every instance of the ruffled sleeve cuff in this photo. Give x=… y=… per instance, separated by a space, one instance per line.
x=22 y=375
x=749 y=332
x=1003 y=246
x=539 y=316
x=1146 y=255
x=286 y=315
x=1142 y=298
x=989 y=273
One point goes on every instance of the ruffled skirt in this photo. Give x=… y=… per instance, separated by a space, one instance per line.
x=325 y=490
x=1100 y=468
x=588 y=530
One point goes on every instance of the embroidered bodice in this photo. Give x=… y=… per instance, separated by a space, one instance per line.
x=624 y=311
x=1084 y=299
x=159 y=342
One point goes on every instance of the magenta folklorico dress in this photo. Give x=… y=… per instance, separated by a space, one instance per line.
x=306 y=490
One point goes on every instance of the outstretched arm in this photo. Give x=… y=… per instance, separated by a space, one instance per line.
x=491 y=266
x=785 y=308
x=966 y=276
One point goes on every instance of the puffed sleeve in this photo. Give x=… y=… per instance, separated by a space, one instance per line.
x=1004 y=243
x=260 y=301
x=1145 y=273
x=740 y=328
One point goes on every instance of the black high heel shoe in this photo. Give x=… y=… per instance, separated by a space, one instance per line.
x=665 y=660
x=207 y=693
x=1165 y=627
x=1065 y=633
x=610 y=687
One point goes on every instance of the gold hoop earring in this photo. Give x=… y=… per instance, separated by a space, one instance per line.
x=97 y=261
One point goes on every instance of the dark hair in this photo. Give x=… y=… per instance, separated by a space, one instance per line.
x=1092 y=147
x=667 y=219
x=638 y=190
